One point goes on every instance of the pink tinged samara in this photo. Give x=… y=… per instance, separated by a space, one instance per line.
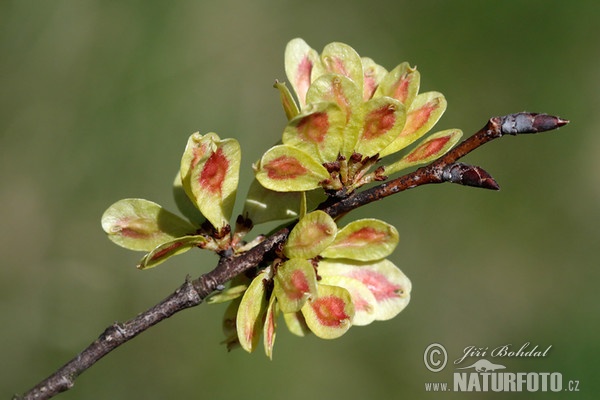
x=249 y=320
x=330 y=314
x=295 y=282
x=365 y=240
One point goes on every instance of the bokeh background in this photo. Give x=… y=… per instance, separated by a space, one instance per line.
x=98 y=99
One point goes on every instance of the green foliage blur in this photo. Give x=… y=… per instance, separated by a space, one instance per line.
x=98 y=99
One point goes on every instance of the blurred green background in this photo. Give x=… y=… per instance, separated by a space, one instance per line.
x=98 y=99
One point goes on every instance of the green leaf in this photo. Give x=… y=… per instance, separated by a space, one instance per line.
x=169 y=249
x=401 y=83
x=209 y=172
x=139 y=224
x=387 y=282
x=363 y=299
x=317 y=131
x=382 y=120
x=249 y=321
x=311 y=235
x=300 y=60
x=330 y=314
x=295 y=282
x=424 y=112
x=373 y=74
x=431 y=148
x=286 y=169
x=364 y=240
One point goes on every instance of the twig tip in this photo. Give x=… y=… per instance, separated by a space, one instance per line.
x=561 y=122
x=524 y=122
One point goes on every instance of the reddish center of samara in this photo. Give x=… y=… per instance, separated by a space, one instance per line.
x=169 y=249
x=314 y=127
x=316 y=233
x=337 y=66
x=285 y=167
x=299 y=285
x=313 y=235
x=303 y=77
x=369 y=85
x=417 y=118
x=364 y=236
x=330 y=311
x=401 y=90
x=378 y=122
x=214 y=172
x=338 y=95
x=360 y=304
x=378 y=284
x=428 y=149
x=133 y=233
x=137 y=228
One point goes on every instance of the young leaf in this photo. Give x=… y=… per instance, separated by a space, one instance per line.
x=311 y=235
x=401 y=83
x=249 y=321
x=424 y=112
x=139 y=224
x=363 y=240
x=388 y=284
x=286 y=169
x=169 y=249
x=330 y=314
x=295 y=282
x=431 y=148
x=300 y=59
x=317 y=131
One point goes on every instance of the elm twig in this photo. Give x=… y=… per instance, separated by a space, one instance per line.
x=193 y=292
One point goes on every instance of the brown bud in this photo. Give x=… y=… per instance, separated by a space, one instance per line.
x=469 y=175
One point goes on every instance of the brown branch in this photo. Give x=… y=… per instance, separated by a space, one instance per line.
x=192 y=293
